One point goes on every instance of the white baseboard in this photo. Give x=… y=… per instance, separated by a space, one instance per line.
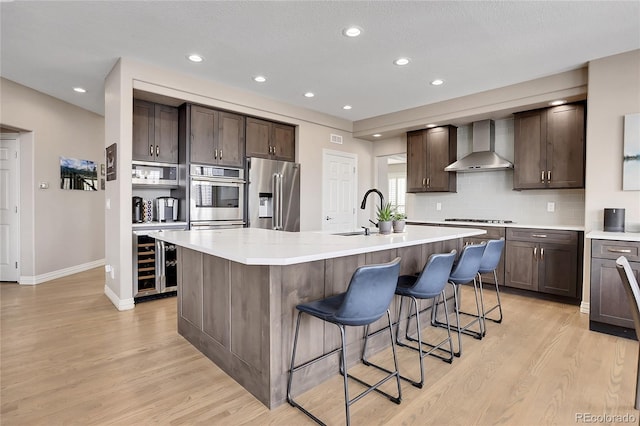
x=584 y=307
x=120 y=304
x=42 y=278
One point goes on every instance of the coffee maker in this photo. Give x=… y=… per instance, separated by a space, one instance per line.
x=136 y=214
x=166 y=209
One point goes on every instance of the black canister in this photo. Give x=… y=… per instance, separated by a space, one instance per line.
x=136 y=215
x=614 y=220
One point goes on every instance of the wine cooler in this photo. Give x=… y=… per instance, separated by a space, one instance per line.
x=155 y=269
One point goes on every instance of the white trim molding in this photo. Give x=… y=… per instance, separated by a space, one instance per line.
x=120 y=304
x=42 y=278
x=584 y=307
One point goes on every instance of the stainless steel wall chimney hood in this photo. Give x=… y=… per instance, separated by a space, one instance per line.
x=483 y=157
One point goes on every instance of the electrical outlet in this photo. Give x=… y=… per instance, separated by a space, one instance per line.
x=438 y=206
x=551 y=207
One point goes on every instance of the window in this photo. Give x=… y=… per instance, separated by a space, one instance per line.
x=397 y=191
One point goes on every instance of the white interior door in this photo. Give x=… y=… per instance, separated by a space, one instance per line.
x=339 y=187
x=9 y=210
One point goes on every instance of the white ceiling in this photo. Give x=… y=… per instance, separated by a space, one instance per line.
x=53 y=46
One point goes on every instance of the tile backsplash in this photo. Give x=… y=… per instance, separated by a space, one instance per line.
x=490 y=194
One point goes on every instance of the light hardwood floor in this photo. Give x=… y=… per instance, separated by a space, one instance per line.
x=68 y=357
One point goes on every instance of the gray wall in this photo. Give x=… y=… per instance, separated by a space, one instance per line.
x=61 y=231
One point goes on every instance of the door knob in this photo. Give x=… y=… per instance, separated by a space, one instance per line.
x=329 y=218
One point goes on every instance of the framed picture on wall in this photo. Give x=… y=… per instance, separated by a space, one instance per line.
x=112 y=161
x=78 y=174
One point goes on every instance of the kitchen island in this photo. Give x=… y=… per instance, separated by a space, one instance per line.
x=238 y=288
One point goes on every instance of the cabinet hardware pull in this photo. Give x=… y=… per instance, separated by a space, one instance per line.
x=542 y=176
x=549 y=175
x=157 y=150
x=541 y=253
x=539 y=235
x=151 y=150
x=215 y=153
x=424 y=181
x=428 y=182
x=221 y=154
x=535 y=252
x=619 y=250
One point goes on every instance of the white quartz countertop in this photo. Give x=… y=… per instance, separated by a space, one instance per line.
x=501 y=225
x=253 y=246
x=618 y=236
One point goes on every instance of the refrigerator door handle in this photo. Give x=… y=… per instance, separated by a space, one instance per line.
x=280 y=206
x=276 y=203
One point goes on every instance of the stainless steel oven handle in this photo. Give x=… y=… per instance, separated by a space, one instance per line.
x=217 y=180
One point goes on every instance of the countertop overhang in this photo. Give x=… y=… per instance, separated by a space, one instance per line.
x=615 y=236
x=253 y=246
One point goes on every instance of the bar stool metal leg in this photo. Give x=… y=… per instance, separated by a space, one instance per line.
x=498 y=305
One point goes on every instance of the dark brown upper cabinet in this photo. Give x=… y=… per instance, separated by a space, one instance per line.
x=155 y=132
x=428 y=153
x=549 y=148
x=267 y=139
x=216 y=137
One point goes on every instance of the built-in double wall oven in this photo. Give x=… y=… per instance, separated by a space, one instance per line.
x=216 y=197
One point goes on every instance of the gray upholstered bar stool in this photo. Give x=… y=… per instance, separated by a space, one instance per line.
x=429 y=284
x=489 y=264
x=465 y=271
x=367 y=298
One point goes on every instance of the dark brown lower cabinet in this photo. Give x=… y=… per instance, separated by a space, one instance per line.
x=543 y=260
x=609 y=309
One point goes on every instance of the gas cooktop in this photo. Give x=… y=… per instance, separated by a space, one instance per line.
x=479 y=220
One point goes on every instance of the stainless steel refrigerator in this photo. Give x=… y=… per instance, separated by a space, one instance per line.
x=273 y=194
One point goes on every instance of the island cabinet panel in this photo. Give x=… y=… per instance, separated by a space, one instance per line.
x=216 y=296
x=250 y=315
x=191 y=297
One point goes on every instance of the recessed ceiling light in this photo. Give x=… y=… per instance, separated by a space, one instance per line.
x=260 y=78
x=352 y=31
x=309 y=95
x=346 y=107
x=437 y=82
x=80 y=90
x=558 y=102
x=431 y=126
x=377 y=135
x=195 y=58
x=401 y=61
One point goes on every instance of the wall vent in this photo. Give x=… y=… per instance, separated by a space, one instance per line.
x=336 y=139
